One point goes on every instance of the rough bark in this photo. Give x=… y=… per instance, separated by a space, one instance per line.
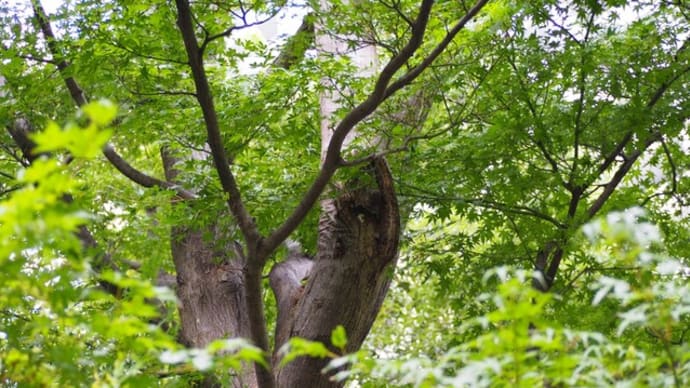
x=210 y=285
x=358 y=245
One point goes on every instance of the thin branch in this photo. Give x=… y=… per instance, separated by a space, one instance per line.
x=565 y=30
x=210 y=38
x=611 y=157
x=164 y=93
x=6 y=175
x=395 y=6
x=581 y=103
x=674 y=172
x=523 y=244
x=80 y=99
x=674 y=177
x=376 y=155
x=12 y=314
x=630 y=160
x=591 y=269
x=29 y=57
x=142 y=55
x=455 y=119
x=494 y=205
x=10 y=189
x=533 y=111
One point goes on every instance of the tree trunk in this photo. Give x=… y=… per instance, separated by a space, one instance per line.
x=210 y=286
x=359 y=232
x=347 y=281
x=358 y=243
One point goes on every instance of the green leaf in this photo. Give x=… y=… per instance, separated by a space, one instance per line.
x=299 y=347
x=339 y=337
x=101 y=112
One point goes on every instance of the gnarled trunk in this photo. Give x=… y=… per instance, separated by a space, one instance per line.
x=358 y=245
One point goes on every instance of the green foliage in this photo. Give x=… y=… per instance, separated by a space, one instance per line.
x=300 y=347
x=339 y=337
x=57 y=326
x=510 y=141
x=520 y=344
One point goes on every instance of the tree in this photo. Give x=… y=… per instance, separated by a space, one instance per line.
x=497 y=129
x=177 y=77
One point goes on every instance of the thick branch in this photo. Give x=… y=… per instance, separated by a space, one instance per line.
x=215 y=142
x=333 y=159
x=610 y=187
x=19 y=131
x=417 y=70
x=137 y=176
x=80 y=99
x=254 y=266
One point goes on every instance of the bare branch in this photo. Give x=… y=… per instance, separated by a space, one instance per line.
x=137 y=176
